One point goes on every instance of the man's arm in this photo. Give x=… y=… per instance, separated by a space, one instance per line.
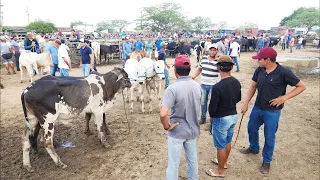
x=214 y=101
x=91 y=60
x=197 y=72
x=67 y=62
x=251 y=92
x=164 y=117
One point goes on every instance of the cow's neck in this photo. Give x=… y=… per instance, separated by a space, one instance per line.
x=111 y=87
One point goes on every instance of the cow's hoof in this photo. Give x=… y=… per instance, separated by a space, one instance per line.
x=88 y=133
x=28 y=168
x=131 y=111
x=106 y=145
x=21 y=81
x=62 y=165
x=127 y=101
x=29 y=80
x=108 y=132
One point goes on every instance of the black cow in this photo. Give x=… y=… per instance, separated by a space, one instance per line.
x=108 y=50
x=66 y=98
x=171 y=48
x=247 y=45
x=273 y=41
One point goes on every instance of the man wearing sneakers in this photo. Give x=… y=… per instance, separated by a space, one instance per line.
x=209 y=77
x=271 y=80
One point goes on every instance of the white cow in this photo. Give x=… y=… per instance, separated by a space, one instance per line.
x=131 y=67
x=315 y=42
x=34 y=62
x=150 y=74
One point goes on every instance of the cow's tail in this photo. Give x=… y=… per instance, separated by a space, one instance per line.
x=32 y=138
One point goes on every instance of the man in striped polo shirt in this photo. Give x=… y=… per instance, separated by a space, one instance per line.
x=209 y=77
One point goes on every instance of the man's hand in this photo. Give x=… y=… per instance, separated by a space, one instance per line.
x=51 y=64
x=244 y=108
x=277 y=101
x=171 y=126
x=91 y=66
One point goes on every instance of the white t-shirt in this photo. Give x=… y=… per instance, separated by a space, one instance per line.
x=62 y=52
x=300 y=40
x=65 y=46
x=234 y=49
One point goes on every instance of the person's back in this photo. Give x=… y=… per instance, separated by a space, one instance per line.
x=187 y=95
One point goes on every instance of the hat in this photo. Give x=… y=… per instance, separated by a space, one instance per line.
x=214 y=45
x=267 y=52
x=225 y=60
x=127 y=38
x=182 y=61
x=2 y=38
x=163 y=43
x=46 y=37
x=81 y=40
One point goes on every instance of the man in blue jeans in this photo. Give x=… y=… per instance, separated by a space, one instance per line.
x=209 y=77
x=87 y=59
x=223 y=112
x=271 y=80
x=162 y=56
x=183 y=98
x=53 y=50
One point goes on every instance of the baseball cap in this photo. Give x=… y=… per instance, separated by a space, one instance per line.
x=163 y=43
x=214 y=45
x=182 y=61
x=267 y=52
x=2 y=38
x=225 y=60
x=81 y=40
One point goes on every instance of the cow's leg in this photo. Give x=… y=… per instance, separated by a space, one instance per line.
x=127 y=94
x=131 y=98
x=87 y=129
x=149 y=98
x=159 y=86
x=141 y=87
x=48 y=127
x=98 y=116
x=21 y=74
x=112 y=56
x=26 y=149
x=105 y=126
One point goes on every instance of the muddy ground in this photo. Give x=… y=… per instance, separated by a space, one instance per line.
x=142 y=153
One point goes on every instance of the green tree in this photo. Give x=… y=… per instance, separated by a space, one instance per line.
x=164 y=17
x=76 y=23
x=302 y=17
x=4 y=28
x=103 y=25
x=248 y=25
x=119 y=23
x=41 y=26
x=199 y=23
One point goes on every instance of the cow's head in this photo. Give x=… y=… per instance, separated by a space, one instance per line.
x=122 y=78
x=159 y=69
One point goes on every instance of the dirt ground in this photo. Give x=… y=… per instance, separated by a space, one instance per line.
x=142 y=154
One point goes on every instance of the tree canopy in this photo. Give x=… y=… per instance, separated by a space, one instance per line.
x=248 y=25
x=199 y=23
x=302 y=17
x=76 y=23
x=116 y=23
x=41 y=26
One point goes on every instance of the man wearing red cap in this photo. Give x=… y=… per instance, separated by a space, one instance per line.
x=183 y=98
x=271 y=80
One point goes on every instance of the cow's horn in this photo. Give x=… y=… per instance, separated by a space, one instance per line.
x=120 y=76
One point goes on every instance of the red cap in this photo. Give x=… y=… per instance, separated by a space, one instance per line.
x=182 y=61
x=267 y=52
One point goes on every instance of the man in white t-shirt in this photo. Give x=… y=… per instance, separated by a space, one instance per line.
x=234 y=53
x=65 y=46
x=299 y=43
x=63 y=59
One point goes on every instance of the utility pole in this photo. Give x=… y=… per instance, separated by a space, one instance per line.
x=1 y=18
x=28 y=14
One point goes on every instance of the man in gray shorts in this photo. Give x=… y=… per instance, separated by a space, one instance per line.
x=6 y=55
x=184 y=99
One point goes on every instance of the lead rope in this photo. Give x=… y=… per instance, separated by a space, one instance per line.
x=125 y=111
x=238 y=131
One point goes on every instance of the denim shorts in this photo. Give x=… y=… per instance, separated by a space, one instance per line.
x=222 y=130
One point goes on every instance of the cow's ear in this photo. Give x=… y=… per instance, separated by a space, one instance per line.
x=120 y=76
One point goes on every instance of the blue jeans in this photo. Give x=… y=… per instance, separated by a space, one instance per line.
x=166 y=74
x=17 y=55
x=291 y=49
x=174 y=151
x=206 y=92
x=222 y=130
x=226 y=50
x=298 y=46
x=235 y=59
x=85 y=69
x=53 y=69
x=270 y=119
x=64 y=72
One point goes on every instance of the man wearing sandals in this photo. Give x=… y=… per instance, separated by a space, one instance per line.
x=184 y=98
x=222 y=109
x=271 y=79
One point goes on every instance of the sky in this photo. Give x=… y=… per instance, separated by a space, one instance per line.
x=235 y=12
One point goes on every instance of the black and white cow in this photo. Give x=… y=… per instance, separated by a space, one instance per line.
x=49 y=99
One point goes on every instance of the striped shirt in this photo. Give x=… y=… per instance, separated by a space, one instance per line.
x=209 y=73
